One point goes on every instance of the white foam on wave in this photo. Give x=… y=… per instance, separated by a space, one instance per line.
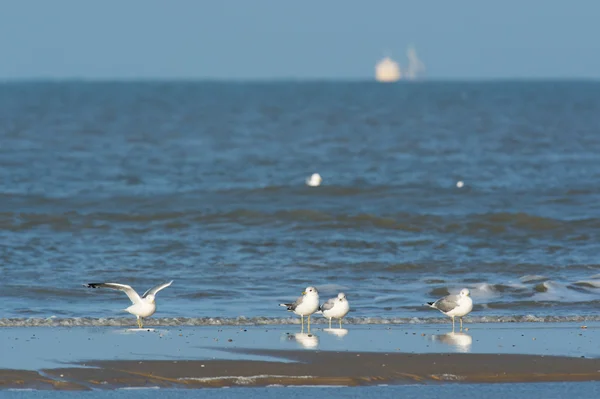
x=243 y=380
x=591 y=283
x=484 y=291
x=559 y=292
x=261 y=321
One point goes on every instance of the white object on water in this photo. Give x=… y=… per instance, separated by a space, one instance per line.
x=460 y=184
x=454 y=305
x=143 y=306
x=314 y=180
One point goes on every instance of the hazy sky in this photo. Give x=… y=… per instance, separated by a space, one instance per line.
x=274 y=39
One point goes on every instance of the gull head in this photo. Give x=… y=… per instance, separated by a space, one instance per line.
x=464 y=292
x=310 y=291
x=341 y=296
x=314 y=180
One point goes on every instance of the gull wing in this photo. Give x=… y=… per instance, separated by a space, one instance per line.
x=293 y=306
x=328 y=305
x=135 y=298
x=154 y=290
x=447 y=303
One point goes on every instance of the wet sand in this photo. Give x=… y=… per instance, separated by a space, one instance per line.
x=108 y=358
x=309 y=368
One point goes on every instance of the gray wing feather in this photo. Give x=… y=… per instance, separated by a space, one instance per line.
x=447 y=303
x=297 y=303
x=154 y=290
x=328 y=305
x=293 y=306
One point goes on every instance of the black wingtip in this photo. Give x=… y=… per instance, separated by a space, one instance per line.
x=92 y=285
x=430 y=303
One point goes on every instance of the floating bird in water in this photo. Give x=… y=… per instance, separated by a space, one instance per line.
x=143 y=306
x=314 y=180
x=306 y=305
x=454 y=305
x=336 y=308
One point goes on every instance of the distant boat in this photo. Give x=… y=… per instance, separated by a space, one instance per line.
x=416 y=68
x=387 y=70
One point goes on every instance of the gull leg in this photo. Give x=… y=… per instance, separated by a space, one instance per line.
x=138 y=321
x=452 y=323
x=330 y=323
x=460 y=323
x=340 y=324
x=302 y=321
x=309 y=324
x=141 y=322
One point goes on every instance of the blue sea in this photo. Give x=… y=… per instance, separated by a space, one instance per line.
x=203 y=183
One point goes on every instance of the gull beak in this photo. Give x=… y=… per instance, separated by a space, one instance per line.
x=303 y=292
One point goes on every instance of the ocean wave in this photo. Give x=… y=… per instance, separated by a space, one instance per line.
x=266 y=321
x=300 y=219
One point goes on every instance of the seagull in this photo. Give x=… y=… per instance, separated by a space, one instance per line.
x=306 y=305
x=454 y=305
x=336 y=308
x=314 y=180
x=143 y=306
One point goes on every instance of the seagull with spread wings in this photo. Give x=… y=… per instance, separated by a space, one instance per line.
x=143 y=306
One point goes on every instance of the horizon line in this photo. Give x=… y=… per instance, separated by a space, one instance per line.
x=289 y=80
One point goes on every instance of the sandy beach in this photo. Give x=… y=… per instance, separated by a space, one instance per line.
x=309 y=368
x=112 y=358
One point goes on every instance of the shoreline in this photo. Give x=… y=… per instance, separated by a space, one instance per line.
x=308 y=369
x=101 y=358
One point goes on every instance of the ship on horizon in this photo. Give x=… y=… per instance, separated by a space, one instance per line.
x=387 y=70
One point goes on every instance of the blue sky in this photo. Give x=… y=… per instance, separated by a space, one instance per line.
x=310 y=39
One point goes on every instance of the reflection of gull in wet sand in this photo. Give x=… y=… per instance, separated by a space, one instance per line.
x=306 y=340
x=335 y=308
x=143 y=306
x=454 y=305
x=306 y=305
x=340 y=332
x=460 y=340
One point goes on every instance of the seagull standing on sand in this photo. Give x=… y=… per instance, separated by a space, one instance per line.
x=306 y=305
x=336 y=308
x=143 y=306
x=454 y=305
